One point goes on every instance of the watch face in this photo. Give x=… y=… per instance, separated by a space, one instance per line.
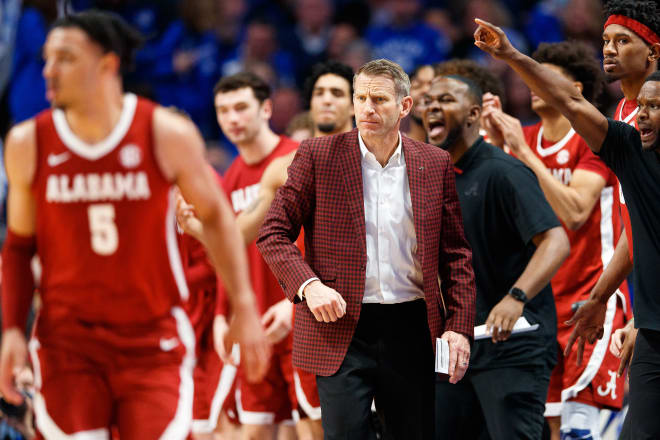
x=518 y=294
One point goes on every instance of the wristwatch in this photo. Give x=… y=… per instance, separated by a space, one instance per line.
x=519 y=295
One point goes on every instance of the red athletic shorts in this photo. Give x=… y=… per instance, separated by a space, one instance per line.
x=282 y=395
x=90 y=378
x=307 y=395
x=594 y=382
x=214 y=386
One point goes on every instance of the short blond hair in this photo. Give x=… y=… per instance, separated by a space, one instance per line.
x=390 y=69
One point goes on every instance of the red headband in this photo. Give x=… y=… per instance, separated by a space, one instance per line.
x=640 y=29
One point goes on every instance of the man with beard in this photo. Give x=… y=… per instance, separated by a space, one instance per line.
x=634 y=156
x=580 y=189
x=630 y=53
x=518 y=245
x=488 y=82
x=329 y=91
x=420 y=81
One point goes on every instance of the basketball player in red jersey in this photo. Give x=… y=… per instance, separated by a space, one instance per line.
x=243 y=109
x=580 y=189
x=631 y=49
x=214 y=409
x=90 y=192
x=329 y=92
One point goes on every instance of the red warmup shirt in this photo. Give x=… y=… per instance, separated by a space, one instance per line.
x=105 y=224
x=592 y=246
x=241 y=184
x=626 y=111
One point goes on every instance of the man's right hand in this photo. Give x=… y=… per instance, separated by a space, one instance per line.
x=326 y=304
x=589 y=320
x=246 y=329
x=13 y=359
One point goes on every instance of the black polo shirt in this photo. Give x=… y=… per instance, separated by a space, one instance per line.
x=503 y=209
x=639 y=174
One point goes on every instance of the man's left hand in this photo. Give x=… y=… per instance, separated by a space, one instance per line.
x=503 y=317
x=459 y=355
x=493 y=40
x=277 y=321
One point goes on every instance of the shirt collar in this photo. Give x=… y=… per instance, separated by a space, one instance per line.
x=395 y=159
x=468 y=157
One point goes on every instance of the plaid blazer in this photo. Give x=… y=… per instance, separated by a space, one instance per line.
x=324 y=194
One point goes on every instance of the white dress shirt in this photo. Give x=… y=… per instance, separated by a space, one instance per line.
x=393 y=274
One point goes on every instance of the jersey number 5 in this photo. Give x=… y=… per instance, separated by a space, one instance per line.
x=105 y=237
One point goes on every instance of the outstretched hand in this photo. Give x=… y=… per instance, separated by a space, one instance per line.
x=492 y=40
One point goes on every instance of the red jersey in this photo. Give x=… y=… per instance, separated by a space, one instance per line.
x=626 y=111
x=592 y=246
x=105 y=224
x=241 y=183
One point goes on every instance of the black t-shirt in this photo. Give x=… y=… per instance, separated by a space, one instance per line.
x=639 y=174
x=503 y=209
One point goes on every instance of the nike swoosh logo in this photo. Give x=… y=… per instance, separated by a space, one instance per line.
x=58 y=159
x=167 y=344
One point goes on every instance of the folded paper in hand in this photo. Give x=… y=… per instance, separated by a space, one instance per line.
x=521 y=326
x=441 y=356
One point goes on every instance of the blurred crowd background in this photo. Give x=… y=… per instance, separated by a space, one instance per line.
x=190 y=44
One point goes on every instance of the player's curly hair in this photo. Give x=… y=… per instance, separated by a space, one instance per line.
x=646 y=12
x=578 y=60
x=109 y=31
x=323 y=68
x=476 y=73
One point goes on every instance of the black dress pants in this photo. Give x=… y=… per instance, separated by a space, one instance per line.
x=498 y=404
x=642 y=421
x=390 y=360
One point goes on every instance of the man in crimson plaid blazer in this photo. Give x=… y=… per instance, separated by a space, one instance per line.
x=382 y=226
